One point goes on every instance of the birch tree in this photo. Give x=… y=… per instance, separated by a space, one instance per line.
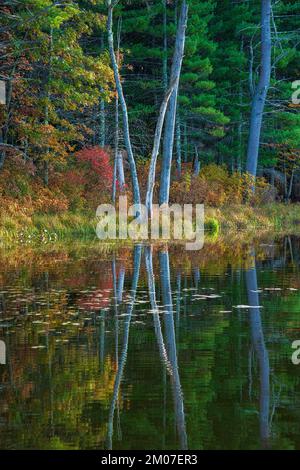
x=261 y=91
x=171 y=116
x=172 y=106
x=134 y=177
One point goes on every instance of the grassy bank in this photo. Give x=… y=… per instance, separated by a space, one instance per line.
x=277 y=218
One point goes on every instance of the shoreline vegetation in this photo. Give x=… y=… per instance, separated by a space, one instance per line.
x=100 y=120
x=232 y=221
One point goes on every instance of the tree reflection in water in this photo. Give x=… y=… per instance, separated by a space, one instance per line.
x=257 y=337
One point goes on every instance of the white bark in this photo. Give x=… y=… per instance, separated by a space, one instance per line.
x=156 y=144
x=260 y=94
x=133 y=171
x=171 y=113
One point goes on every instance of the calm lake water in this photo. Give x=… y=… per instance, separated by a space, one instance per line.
x=150 y=348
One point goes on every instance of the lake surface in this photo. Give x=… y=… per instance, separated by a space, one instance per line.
x=150 y=348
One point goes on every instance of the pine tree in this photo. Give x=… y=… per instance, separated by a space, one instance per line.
x=200 y=122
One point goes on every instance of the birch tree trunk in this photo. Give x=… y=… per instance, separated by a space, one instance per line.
x=165 y=46
x=116 y=156
x=171 y=112
x=132 y=165
x=156 y=144
x=120 y=167
x=178 y=146
x=174 y=81
x=260 y=94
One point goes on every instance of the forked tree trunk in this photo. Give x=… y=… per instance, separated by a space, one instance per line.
x=260 y=94
x=155 y=150
x=171 y=113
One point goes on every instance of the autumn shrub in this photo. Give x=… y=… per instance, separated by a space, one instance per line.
x=72 y=183
x=215 y=186
x=48 y=201
x=16 y=179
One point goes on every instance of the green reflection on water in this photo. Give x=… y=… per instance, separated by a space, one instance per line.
x=150 y=348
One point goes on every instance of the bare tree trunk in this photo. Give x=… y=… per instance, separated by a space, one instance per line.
x=133 y=171
x=165 y=46
x=196 y=162
x=178 y=121
x=155 y=150
x=114 y=187
x=178 y=146
x=171 y=112
x=174 y=81
x=260 y=94
x=120 y=168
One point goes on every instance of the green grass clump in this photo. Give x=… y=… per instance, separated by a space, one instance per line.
x=212 y=226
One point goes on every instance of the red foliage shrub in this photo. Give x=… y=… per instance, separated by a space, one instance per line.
x=98 y=160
